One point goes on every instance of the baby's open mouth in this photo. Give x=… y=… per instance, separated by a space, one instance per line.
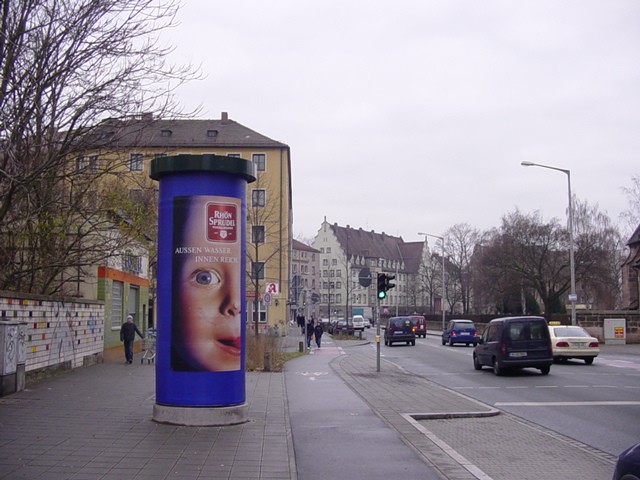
x=231 y=345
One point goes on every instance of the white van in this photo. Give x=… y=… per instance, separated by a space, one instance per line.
x=358 y=322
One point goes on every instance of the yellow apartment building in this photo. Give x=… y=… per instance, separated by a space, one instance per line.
x=128 y=146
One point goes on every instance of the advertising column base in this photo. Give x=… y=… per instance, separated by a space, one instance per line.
x=201 y=416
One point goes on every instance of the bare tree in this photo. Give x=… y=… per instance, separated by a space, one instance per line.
x=265 y=238
x=631 y=217
x=460 y=243
x=65 y=66
x=599 y=254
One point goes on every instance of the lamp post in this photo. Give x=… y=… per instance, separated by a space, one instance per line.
x=443 y=278
x=572 y=296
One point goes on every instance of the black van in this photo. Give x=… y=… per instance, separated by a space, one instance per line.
x=400 y=329
x=514 y=342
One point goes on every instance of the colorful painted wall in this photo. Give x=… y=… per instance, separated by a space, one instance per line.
x=59 y=330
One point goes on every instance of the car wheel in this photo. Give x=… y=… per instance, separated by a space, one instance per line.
x=476 y=364
x=545 y=370
x=413 y=343
x=444 y=342
x=588 y=360
x=451 y=342
x=497 y=369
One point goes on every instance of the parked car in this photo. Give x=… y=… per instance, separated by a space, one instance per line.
x=367 y=322
x=399 y=329
x=358 y=322
x=514 y=342
x=572 y=341
x=460 y=331
x=421 y=325
x=341 y=327
x=628 y=464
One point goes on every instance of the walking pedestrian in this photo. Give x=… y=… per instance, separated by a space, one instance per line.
x=317 y=333
x=128 y=335
x=310 y=326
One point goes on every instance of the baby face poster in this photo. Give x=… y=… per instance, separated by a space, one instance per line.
x=206 y=284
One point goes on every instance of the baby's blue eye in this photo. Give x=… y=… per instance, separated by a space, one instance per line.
x=204 y=278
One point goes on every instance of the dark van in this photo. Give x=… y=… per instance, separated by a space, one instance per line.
x=400 y=329
x=514 y=342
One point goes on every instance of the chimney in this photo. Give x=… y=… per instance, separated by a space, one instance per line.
x=225 y=117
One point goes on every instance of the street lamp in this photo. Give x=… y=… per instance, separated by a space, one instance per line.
x=572 y=296
x=443 y=279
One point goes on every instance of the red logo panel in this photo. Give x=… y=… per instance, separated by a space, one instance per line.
x=222 y=222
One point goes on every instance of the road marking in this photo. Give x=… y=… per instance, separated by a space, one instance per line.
x=567 y=404
x=462 y=461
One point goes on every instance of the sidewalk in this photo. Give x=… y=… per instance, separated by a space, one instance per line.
x=95 y=423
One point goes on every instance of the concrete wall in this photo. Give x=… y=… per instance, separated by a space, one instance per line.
x=61 y=332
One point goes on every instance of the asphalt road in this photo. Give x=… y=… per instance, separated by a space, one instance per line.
x=598 y=404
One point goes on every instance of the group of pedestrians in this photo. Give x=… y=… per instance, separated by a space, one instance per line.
x=311 y=330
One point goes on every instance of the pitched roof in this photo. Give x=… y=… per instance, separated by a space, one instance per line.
x=367 y=244
x=412 y=255
x=148 y=132
x=297 y=245
x=635 y=238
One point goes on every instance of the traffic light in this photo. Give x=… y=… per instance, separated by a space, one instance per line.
x=382 y=284
x=388 y=285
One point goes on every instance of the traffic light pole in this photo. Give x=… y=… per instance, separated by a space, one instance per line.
x=378 y=336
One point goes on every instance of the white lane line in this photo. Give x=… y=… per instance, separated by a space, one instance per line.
x=462 y=461
x=567 y=404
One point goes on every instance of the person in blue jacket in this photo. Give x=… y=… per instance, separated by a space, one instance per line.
x=317 y=333
x=128 y=335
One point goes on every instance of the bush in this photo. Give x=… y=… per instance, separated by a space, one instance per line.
x=256 y=348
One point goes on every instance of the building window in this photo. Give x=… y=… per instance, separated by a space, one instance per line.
x=338 y=298
x=131 y=263
x=257 y=270
x=257 y=234
x=135 y=195
x=135 y=162
x=334 y=261
x=258 y=197
x=212 y=133
x=165 y=133
x=295 y=268
x=325 y=262
x=328 y=249
x=338 y=273
x=233 y=155
x=259 y=161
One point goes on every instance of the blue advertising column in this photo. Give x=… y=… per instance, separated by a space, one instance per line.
x=200 y=367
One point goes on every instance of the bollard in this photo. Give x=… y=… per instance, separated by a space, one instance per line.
x=301 y=347
x=267 y=362
x=360 y=334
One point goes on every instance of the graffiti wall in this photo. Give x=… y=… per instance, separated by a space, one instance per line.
x=58 y=330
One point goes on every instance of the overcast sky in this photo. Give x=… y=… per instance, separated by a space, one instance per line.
x=412 y=116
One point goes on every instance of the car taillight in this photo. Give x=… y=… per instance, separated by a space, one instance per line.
x=594 y=345
x=503 y=349
x=562 y=344
x=413 y=329
x=453 y=334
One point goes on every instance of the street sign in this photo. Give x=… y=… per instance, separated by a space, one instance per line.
x=266 y=298
x=272 y=288
x=365 y=277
